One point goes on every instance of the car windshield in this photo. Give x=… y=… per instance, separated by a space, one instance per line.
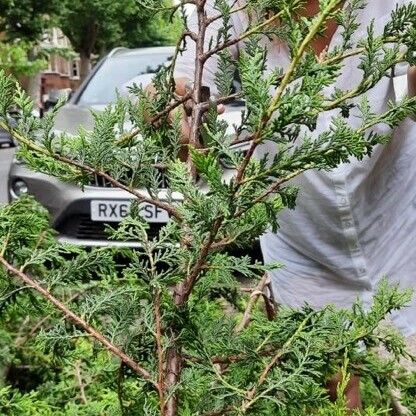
x=116 y=72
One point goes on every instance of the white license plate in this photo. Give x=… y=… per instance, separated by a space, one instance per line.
x=116 y=211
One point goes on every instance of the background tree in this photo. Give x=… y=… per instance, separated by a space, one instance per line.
x=95 y=26
x=14 y=59
x=27 y=21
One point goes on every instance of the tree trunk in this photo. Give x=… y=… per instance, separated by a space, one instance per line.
x=173 y=376
x=33 y=88
x=85 y=65
x=174 y=359
x=34 y=81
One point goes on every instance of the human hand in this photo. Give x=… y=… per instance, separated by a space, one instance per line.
x=184 y=112
x=352 y=392
x=411 y=81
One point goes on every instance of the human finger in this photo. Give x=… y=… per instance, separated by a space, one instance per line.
x=220 y=108
x=179 y=112
x=181 y=86
x=411 y=81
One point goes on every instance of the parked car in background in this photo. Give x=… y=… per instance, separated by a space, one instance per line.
x=6 y=140
x=113 y=73
x=51 y=99
x=81 y=216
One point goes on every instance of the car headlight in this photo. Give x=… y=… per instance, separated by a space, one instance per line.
x=18 y=188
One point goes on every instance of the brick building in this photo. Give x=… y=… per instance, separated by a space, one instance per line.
x=62 y=73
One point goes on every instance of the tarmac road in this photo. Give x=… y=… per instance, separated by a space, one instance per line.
x=6 y=156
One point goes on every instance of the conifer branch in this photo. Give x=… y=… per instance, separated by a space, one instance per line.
x=314 y=30
x=278 y=183
x=213 y=19
x=251 y=303
x=89 y=169
x=80 y=382
x=78 y=321
x=182 y=291
x=177 y=102
x=183 y=298
x=252 y=31
x=160 y=355
x=251 y=395
x=197 y=113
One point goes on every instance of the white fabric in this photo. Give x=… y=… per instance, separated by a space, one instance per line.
x=355 y=224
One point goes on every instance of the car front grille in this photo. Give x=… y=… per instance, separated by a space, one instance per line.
x=83 y=228
x=101 y=182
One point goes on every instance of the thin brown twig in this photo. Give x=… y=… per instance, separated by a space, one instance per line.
x=123 y=140
x=243 y=36
x=197 y=111
x=159 y=349
x=250 y=398
x=80 y=382
x=213 y=19
x=78 y=321
x=251 y=303
x=86 y=168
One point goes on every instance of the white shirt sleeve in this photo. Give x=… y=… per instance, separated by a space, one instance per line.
x=185 y=64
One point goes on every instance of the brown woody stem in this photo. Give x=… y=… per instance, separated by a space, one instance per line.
x=78 y=321
x=160 y=358
x=258 y=291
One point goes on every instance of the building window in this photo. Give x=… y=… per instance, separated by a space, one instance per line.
x=75 y=68
x=53 y=64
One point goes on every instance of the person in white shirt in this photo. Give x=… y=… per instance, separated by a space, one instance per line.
x=354 y=224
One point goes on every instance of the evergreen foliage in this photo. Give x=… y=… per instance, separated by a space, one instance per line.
x=167 y=329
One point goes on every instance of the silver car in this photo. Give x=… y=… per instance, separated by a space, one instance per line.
x=81 y=216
